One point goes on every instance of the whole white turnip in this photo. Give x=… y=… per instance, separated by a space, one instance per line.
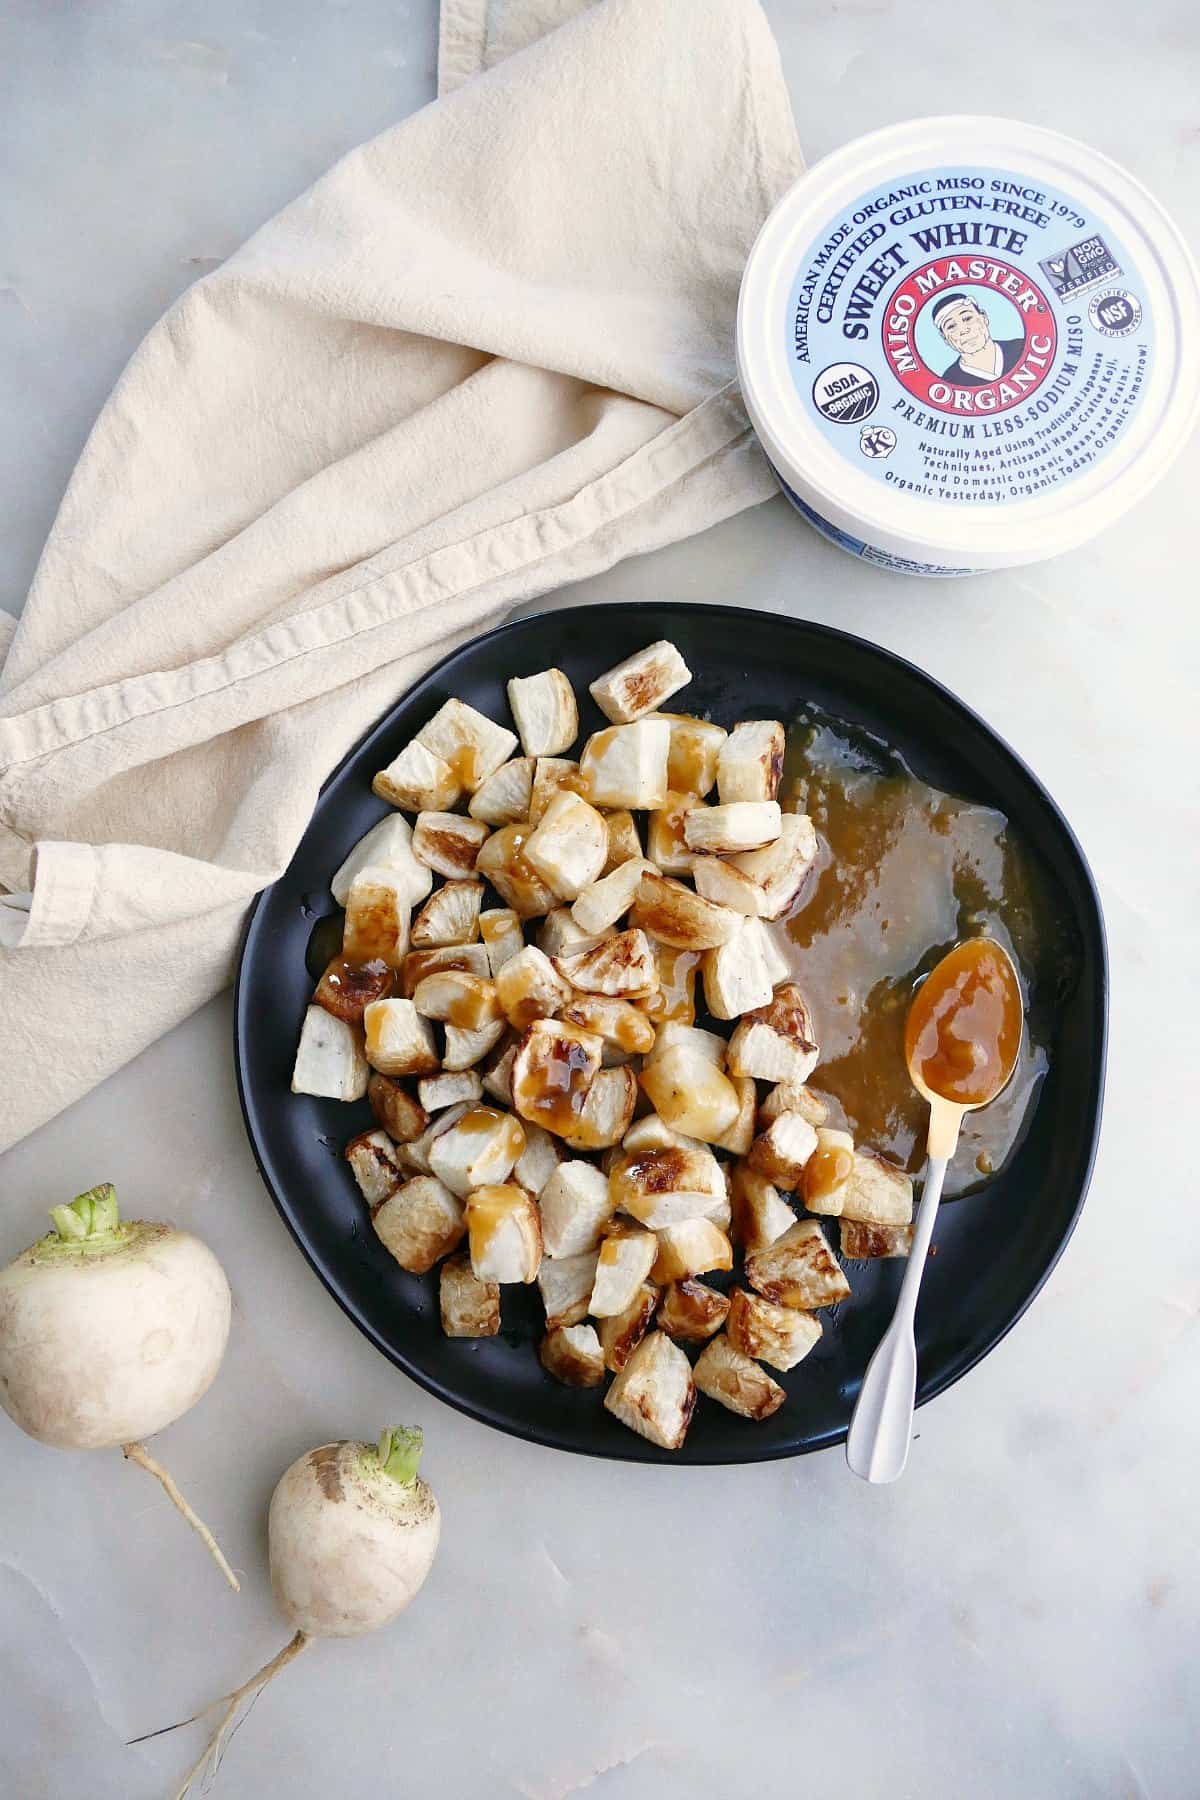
x=110 y=1329
x=352 y=1533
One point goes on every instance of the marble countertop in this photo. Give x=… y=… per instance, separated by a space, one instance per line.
x=1018 y=1615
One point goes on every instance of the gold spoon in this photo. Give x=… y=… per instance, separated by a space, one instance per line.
x=961 y=1043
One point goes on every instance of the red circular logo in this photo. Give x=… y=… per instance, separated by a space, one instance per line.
x=969 y=335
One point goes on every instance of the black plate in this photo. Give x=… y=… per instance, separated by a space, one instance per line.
x=993 y=1251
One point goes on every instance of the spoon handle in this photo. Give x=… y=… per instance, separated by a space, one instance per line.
x=881 y=1428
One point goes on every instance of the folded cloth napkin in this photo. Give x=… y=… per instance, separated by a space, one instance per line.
x=489 y=353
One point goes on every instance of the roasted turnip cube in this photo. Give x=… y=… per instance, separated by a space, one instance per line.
x=505 y=1234
x=554 y=1067
x=436 y=1092
x=503 y=799
x=666 y=1185
x=565 y=1284
x=624 y=844
x=693 y=1247
x=781 y=1151
x=690 y=1311
x=377 y=918
x=569 y=846
x=396 y=1110
x=776 y=1041
x=726 y=885
x=502 y=862
x=572 y=1354
x=654 y=1394
x=374 y=1165
x=828 y=1170
x=861 y=1240
x=347 y=989
x=641 y=683
x=737 y=1382
x=751 y=761
x=575 y=1205
x=451 y=916
x=878 y=1193
x=387 y=845
x=674 y=914
x=471 y=745
x=420 y=1223
x=781 y=870
x=690 y=1094
x=621 y=1334
x=554 y=775
x=466 y=1044
x=738 y=976
x=790 y=1096
x=619 y=1023
x=609 y=899
x=622 y=966
x=740 y=1135
x=529 y=987
x=448 y=842
x=665 y=846
x=622 y=1266
x=545 y=711
x=500 y=929
x=606 y=1111
x=537 y=1161
x=399 y=1041
x=695 y=749
x=773 y=1334
x=478 y=1151
x=468 y=959
x=417 y=780
x=627 y=765
x=798 y=1269
x=729 y=830
x=470 y=1308
x=760 y=1213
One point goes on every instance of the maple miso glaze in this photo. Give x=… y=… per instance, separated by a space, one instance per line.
x=905 y=871
x=964 y=1025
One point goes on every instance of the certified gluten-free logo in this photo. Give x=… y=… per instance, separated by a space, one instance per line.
x=844 y=393
x=1115 y=313
x=969 y=334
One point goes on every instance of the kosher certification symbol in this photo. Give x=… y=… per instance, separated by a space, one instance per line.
x=876 y=441
x=844 y=393
x=1115 y=313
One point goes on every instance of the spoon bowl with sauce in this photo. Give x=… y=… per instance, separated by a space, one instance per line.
x=961 y=1043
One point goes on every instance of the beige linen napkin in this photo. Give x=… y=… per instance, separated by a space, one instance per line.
x=489 y=353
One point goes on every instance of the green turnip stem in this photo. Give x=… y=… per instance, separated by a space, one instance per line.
x=211 y=1754
x=89 y=1215
x=137 y=1453
x=399 y=1452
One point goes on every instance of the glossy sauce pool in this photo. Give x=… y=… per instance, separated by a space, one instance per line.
x=904 y=872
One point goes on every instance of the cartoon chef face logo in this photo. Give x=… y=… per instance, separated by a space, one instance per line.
x=969 y=335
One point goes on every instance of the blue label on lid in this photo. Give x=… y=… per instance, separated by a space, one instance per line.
x=968 y=336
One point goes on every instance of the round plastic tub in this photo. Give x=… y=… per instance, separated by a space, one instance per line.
x=966 y=343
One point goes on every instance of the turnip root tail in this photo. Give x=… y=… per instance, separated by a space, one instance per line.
x=211 y=1754
x=137 y=1453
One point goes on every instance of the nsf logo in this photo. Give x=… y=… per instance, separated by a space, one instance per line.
x=1115 y=313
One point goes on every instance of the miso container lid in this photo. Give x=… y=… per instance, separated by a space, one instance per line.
x=970 y=337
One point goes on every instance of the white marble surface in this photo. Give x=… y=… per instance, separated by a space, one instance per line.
x=1018 y=1617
